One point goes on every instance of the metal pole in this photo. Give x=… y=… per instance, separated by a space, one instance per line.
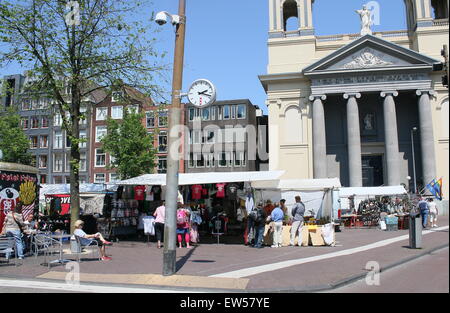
x=169 y=260
x=414 y=161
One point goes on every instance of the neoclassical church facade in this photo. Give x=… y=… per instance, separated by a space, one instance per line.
x=370 y=109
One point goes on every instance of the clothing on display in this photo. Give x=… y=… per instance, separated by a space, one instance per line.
x=249 y=203
x=232 y=191
x=139 y=193
x=156 y=193
x=220 y=190
x=197 y=192
x=149 y=225
x=149 y=194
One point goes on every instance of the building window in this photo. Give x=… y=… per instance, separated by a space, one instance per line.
x=209 y=136
x=57 y=180
x=67 y=163
x=26 y=105
x=101 y=114
x=219 y=113
x=233 y=111
x=58 y=161
x=162 y=142
x=191 y=161
x=162 y=118
x=57 y=120
x=117 y=96
x=100 y=158
x=162 y=165
x=100 y=178
x=134 y=108
x=225 y=159
x=34 y=142
x=83 y=142
x=197 y=137
x=113 y=177
x=191 y=114
x=34 y=122
x=43 y=161
x=43 y=179
x=58 y=140
x=199 y=161
x=83 y=162
x=44 y=122
x=205 y=114
x=226 y=112
x=241 y=111
x=213 y=113
x=117 y=112
x=44 y=141
x=150 y=115
x=68 y=141
x=100 y=132
x=25 y=123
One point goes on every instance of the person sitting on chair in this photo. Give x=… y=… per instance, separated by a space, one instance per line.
x=86 y=239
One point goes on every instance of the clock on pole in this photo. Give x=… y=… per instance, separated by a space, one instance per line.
x=202 y=93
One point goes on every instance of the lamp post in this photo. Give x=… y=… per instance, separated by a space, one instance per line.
x=179 y=21
x=413 y=130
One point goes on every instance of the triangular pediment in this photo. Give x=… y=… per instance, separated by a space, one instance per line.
x=370 y=53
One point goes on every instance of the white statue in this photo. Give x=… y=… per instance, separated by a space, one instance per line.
x=366 y=20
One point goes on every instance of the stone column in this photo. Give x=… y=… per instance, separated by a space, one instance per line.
x=426 y=136
x=319 y=137
x=354 y=140
x=391 y=138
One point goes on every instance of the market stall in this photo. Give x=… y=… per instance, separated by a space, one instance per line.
x=367 y=206
x=317 y=196
x=214 y=197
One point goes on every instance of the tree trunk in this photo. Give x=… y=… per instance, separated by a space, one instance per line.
x=75 y=159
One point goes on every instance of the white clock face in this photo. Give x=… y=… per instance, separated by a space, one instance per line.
x=202 y=93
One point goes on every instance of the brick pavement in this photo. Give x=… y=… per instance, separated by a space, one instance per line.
x=205 y=260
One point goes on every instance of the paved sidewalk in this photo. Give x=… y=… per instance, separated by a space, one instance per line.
x=238 y=268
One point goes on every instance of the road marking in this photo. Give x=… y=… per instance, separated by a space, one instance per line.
x=80 y=288
x=280 y=265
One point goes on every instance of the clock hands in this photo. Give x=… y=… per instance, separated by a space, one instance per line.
x=204 y=93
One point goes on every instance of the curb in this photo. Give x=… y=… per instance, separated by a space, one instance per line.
x=311 y=289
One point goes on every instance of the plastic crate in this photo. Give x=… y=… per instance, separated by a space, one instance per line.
x=391 y=227
x=391 y=220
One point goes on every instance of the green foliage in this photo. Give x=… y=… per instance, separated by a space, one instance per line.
x=130 y=145
x=14 y=142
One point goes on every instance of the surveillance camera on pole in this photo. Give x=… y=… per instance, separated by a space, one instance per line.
x=162 y=17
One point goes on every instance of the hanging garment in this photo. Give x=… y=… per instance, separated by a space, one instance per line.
x=220 y=190
x=195 y=238
x=156 y=193
x=249 y=204
x=149 y=194
x=149 y=225
x=197 y=192
x=139 y=193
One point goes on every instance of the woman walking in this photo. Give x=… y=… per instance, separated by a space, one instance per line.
x=159 y=223
x=14 y=226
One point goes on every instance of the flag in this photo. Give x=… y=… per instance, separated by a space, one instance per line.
x=435 y=187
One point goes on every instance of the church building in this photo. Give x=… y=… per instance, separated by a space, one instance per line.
x=369 y=108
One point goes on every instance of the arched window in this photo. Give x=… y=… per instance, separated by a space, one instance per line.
x=290 y=15
x=293 y=128
x=440 y=9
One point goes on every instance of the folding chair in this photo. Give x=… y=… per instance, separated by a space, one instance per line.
x=79 y=248
x=7 y=246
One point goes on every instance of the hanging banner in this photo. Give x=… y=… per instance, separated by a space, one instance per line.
x=18 y=187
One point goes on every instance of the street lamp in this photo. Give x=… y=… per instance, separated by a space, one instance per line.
x=413 y=130
x=179 y=21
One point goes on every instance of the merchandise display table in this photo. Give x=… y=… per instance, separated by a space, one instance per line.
x=310 y=234
x=352 y=219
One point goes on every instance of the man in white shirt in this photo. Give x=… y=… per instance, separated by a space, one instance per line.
x=433 y=212
x=86 y=239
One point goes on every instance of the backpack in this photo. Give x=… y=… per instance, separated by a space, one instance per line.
x=253 y=215
x=260 y=216
x=181 y=217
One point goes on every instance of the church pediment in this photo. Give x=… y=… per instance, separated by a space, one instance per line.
x=370 y=53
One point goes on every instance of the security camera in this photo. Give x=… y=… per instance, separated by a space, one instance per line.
x=161 y=18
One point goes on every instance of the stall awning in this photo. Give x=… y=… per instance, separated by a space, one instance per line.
x=300 y=184
x=53 y=189
x=372 y=191
x=204 y=178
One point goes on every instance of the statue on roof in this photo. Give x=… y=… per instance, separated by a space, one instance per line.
x=366 y=20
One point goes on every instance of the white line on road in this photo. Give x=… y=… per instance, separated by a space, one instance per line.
x=280 y=265
x=29 y=284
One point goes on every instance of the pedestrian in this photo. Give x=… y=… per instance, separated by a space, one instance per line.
x=31 y=227
x=277 y=218
x=298 y=213
x=269 y=207
x=183 y=227
x=424 y=211
x=260 y=223
x=14 y=226
x=433 y=212
x=86 y=240
x=249 y=206
x=159 y=215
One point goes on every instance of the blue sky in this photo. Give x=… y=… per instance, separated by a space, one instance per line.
x=227 y=39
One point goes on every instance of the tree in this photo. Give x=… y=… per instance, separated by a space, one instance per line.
x=76 y=48
x=130 y=146
x=14 y=143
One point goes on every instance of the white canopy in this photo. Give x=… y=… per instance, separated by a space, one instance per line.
x=204 y=178
x=300 y=184
x=372 y=191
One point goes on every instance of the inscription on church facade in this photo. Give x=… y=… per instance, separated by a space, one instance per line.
x=362 y=79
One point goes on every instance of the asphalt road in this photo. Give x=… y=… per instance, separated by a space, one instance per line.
x=428 y=274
